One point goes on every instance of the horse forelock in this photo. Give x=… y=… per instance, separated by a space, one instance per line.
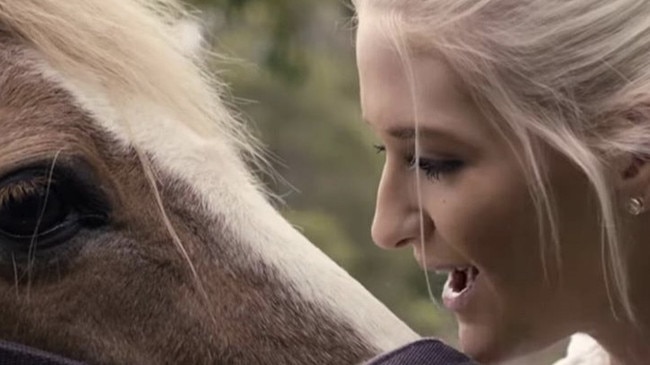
x=149 y=49
x=164 y=106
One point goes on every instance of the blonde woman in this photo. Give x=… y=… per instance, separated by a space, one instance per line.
x=517 y=136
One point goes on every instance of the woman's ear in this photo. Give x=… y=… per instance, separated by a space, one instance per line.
x=632 y=181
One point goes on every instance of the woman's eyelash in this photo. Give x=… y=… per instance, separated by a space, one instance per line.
x=379 y=148
x=433 y=168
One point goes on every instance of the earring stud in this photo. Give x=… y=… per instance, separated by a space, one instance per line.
x=635 y=206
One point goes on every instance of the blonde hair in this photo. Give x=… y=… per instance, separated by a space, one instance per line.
x=131 y=48
x=573 y=75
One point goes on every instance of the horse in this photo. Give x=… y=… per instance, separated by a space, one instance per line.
x=134 y=228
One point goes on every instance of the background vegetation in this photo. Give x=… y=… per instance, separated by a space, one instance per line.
x=290 y=64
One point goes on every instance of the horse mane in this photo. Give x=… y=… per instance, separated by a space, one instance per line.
x=134 y=50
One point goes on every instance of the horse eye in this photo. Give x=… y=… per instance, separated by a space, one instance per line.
x=33 y=213
x=39 y=211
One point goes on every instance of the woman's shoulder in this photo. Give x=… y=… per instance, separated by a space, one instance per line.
x=584 y=350
x=426 y=351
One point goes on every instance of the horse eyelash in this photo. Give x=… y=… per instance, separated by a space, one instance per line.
x=21 y=189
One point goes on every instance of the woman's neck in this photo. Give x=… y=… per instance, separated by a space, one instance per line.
x=627 y=342
x=631 y=348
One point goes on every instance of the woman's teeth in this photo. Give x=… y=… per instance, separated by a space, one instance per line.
x=461 y=278
x=458 y=293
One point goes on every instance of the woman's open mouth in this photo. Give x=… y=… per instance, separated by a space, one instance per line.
x=459 y=287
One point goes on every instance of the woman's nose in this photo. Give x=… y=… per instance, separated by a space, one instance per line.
x=396 y=222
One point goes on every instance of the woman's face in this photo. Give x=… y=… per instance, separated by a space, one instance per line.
x=478 y=224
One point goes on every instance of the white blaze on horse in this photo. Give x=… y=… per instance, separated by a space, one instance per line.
x=131 y=229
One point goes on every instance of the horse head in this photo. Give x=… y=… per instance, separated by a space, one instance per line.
x=132 y=230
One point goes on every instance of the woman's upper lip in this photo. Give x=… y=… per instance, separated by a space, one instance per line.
x=440 y=268
x=445 y=269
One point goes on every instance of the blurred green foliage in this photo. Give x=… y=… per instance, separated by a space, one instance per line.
x=279 y=25
x=290 y=64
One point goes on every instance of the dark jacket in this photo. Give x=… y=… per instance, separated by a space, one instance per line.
x=423 y=352
x=15 y=354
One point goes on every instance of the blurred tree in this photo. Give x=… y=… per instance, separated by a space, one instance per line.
x=297 y=83
x=294 y=77
x=283 y=23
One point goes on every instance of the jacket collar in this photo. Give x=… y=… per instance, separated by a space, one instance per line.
x=16 y=354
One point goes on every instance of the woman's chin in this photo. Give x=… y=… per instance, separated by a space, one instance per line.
x=494 y=344
x=483 y=344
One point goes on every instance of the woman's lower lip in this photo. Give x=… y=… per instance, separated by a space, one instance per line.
x=457 y=302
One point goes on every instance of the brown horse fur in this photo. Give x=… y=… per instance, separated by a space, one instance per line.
x=185 y=261
x=121 y=294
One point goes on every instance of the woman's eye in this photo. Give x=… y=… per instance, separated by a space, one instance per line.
x=434 y=168
x=37 y=211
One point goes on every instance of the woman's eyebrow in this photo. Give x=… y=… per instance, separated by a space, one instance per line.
x=409 y=133
x=405 y=133
x=402 y=133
